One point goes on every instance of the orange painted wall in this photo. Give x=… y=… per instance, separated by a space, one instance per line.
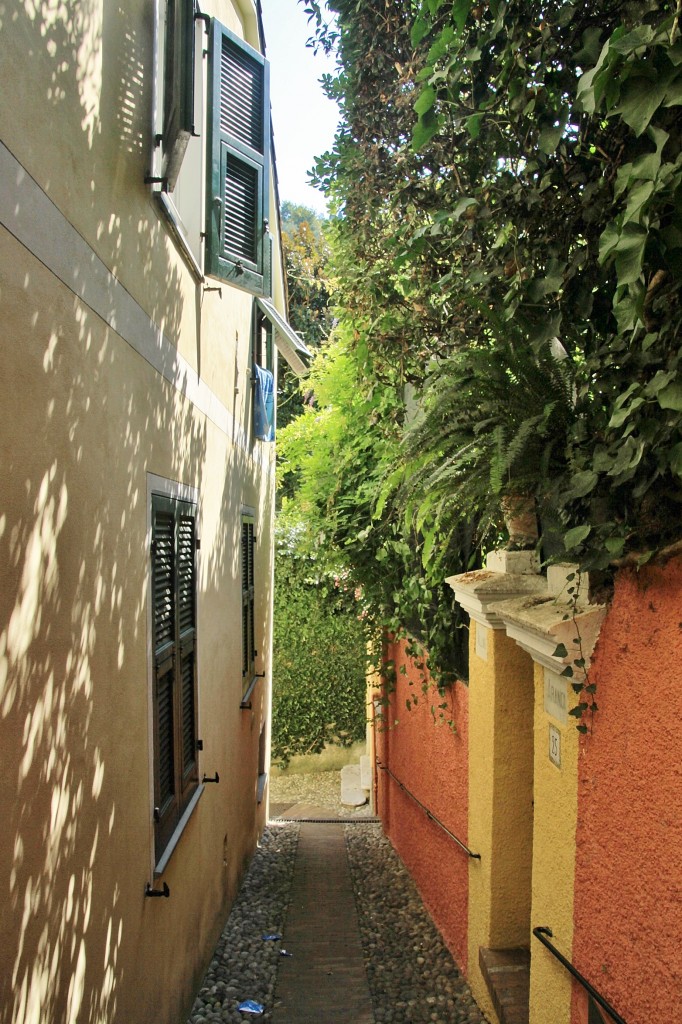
x=431 y=760
x=628 y=896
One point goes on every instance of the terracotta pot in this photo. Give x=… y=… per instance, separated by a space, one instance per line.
x=521 y=521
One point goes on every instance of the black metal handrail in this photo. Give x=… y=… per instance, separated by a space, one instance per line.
x=429 y=814
x=541 y=933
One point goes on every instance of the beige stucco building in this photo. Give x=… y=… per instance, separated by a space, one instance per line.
x=139 y=248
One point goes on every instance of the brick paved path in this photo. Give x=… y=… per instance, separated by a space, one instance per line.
x=326 y=979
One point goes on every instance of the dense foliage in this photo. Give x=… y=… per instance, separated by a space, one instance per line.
x=341 y=450
x=506 y=185
x=319 y=657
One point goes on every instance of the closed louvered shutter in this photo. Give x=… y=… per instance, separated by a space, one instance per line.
x=248 y=603
x=241 y=210
x=187 y=634
x=239 y=139
x=241 y=99
x=174 y=636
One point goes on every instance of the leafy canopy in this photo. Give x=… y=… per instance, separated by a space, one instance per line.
x=506 y=246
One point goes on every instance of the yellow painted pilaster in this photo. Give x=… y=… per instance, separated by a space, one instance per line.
x=556 y=809
x=500 y=797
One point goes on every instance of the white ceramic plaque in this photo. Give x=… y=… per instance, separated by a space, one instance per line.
x=482 y=641
x=555 y=746
x=556 y=696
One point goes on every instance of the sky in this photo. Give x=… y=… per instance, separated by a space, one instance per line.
x=304 y=120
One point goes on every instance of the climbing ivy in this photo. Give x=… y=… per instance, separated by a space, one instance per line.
x=506 y=189
x=568 y=116
x=522 y=161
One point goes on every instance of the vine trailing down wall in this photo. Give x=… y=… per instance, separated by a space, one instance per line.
x=319 y=659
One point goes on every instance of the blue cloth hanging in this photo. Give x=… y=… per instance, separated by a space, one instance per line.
x=264 y=404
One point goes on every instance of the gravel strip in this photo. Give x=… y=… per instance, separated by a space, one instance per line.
x=412 y=976
x=244 y=966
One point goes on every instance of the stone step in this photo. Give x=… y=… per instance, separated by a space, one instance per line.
x=507 y=975
x=352 y=793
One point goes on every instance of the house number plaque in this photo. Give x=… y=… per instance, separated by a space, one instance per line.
x=555 y=746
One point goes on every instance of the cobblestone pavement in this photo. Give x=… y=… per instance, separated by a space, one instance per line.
x=411 y=975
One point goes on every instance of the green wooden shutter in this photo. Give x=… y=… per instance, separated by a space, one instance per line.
x=248 y=603
x=174 y=637
x=238 y=163
x=178 y=88
x=187 y=638
x=163 y=613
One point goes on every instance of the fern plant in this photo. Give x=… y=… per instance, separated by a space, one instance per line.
x=493 y=424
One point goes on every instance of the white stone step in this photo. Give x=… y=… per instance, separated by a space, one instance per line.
x=352 y=793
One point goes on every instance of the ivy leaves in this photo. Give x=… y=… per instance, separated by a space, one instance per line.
x=504 y=171
x=567 y=116
x=638 y=78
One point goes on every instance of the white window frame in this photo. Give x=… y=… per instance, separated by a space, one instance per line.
x=183 y=492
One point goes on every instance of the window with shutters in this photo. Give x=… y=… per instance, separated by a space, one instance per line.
x=174 y=667
x=249 y=651
x=238 y=244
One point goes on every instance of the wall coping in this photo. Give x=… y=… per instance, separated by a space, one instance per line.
x=535 y=611
x=482 y=591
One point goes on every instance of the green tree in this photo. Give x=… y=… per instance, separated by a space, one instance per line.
x=319 y=655
x=306 y=259
x=519 y=164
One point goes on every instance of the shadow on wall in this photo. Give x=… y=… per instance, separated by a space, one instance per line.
x=79 y=434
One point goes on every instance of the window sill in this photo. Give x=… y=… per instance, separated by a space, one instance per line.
x=179 y=829
x=172 y=219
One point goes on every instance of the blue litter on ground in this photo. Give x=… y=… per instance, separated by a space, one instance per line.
x=272 y=937
x=249 y=1006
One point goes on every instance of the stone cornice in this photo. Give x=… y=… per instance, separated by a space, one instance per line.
x=537 y=614
x=540 y=624
x=482 y=592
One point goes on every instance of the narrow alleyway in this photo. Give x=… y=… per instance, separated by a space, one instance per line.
x=328 y=928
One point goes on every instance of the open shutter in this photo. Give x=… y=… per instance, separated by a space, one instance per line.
x=174 y=638
x=178 y=90
x=238 y=167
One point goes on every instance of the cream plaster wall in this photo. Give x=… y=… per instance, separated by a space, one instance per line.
x=114 y=366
